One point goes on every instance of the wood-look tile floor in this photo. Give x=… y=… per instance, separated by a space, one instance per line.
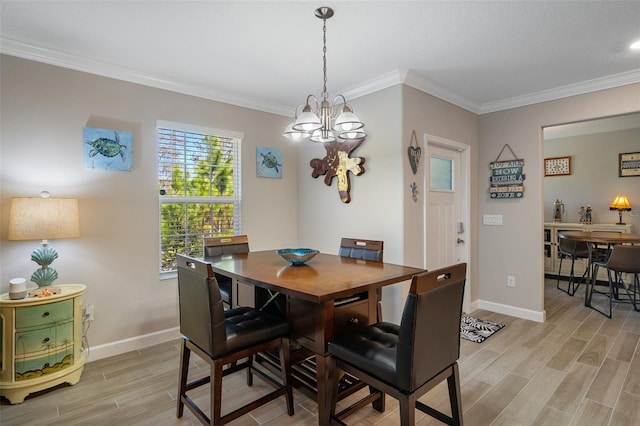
x=577 y=368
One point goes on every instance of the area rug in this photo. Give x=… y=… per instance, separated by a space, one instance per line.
x=477 y=330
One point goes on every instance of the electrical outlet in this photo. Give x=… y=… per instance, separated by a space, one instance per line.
x=511 y=281
x=87 y=312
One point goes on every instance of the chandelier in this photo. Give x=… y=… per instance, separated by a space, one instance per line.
x=325 y=122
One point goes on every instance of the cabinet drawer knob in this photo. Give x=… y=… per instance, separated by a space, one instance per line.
x=353 y=321
x=45 y=314
x=45 y=340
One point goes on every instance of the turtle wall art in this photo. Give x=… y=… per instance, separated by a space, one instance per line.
x=108 y=149
x=268 y=162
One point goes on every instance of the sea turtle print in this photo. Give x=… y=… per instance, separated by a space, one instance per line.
x=107 y=152
x=270 y=161
x=108 y=147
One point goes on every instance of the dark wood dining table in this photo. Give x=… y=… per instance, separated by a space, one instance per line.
x=328 y=296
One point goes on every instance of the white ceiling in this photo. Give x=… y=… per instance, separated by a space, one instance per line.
x=481 y=55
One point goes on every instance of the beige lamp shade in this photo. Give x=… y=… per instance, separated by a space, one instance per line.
x=43 y=218
x=620 y=203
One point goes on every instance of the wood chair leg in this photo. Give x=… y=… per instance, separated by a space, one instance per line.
x=185 y=354
x=455 y=396
x=216 y=392
x=407 y=410
x=249 y=370
x=378 y=404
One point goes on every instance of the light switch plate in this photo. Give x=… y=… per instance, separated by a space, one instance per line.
x=492 y=219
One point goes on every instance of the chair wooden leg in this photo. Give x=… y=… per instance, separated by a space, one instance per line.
x=249 y=370
x=408 y=410
x=455 y=397
x=378 y=404
x=185 y=354
x=216 y=392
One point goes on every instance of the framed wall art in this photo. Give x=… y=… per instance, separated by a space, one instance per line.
x=557 y=166
x=108 y=149
x=268 y=162
x=629 y=164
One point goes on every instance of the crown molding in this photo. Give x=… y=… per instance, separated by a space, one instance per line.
x=581 y=88
x=52 y=57
x=410 y=78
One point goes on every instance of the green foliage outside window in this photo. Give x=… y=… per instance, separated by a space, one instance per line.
x=199 y=194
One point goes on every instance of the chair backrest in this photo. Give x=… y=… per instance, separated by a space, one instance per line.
x=216 y=246
x=429 y=339
x=361 y=249
x=625 y=259
x=201 y=311
x=573 y=247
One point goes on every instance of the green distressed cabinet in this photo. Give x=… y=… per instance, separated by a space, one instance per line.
x=41 y=341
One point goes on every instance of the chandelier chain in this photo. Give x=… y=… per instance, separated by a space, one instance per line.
x=324 y=57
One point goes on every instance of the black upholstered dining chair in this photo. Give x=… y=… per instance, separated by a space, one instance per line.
x=218 y=246
x=372 y=250
x=408 y=360
x=623 y=259
x=361 y=249
x=225 y=337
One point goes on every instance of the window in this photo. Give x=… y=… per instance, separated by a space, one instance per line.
x=441 y=177
x=199 y=186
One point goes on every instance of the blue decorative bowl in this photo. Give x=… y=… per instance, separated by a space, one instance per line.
x=297 y=256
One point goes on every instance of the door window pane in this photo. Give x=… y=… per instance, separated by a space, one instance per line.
x=441 y=174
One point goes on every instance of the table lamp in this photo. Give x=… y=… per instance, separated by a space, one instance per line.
x=621 y=203
x=43 y=219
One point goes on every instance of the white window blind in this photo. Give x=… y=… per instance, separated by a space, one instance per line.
x=199 y=186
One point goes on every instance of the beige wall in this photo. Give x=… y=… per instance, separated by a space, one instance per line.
x=516 y=248
x=427 y=114
x=594 y=176
x=376 y=195
x=381 y=206
x=44 y=110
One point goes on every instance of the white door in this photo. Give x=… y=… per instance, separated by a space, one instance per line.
x=447 y=205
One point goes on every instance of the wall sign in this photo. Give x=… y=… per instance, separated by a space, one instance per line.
x=507 y=179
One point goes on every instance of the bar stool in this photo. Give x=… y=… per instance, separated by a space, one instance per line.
x=408 y=360
x=225 y=337
x=623 y=259
x=574 y=250
x=218 y=246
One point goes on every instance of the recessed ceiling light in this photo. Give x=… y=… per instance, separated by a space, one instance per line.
x=635 y=45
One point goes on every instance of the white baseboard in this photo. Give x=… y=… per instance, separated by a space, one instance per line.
x=539 y=316
x=139 y=342
x=131 y=344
